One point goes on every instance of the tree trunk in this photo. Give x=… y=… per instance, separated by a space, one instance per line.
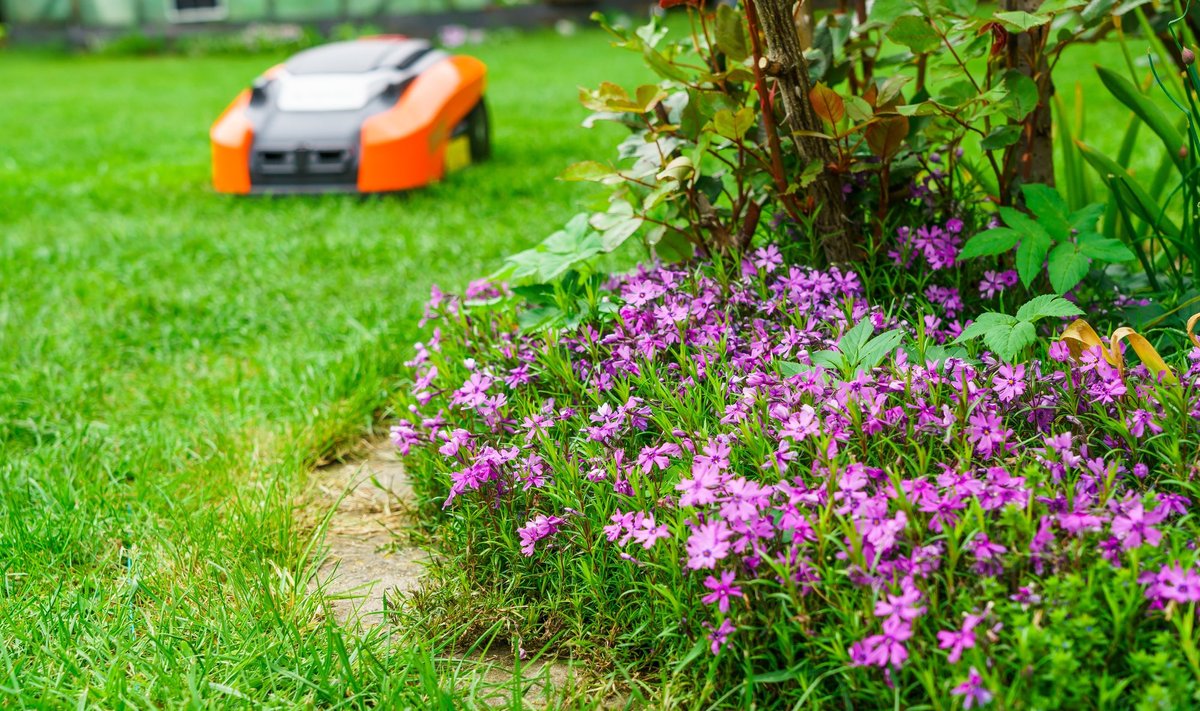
x=1030 y=159
x=785 y=61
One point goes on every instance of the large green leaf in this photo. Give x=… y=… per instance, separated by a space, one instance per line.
x=1047 y=306
x=986 y=322
x=1008 y=340
x=878 y=348
x=1086 y=218
x=1105 y=249
x=1050 y=208
x=989 y=242
x=915 y=33
x=1031 y=254
x=852 y=341
x=588 y=170
x=1000 y=137
x=731 y=33
x=733 y=125
x=1022 y=95
x=1067 y=267
x=1124 y=91
x=1130 y=193
x=1021 y=21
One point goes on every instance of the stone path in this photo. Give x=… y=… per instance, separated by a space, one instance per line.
x=367 y=564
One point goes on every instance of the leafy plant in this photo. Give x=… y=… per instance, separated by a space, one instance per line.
x=857 y=351
x=998 y=65
x=1008 y=336
x=1066 y=242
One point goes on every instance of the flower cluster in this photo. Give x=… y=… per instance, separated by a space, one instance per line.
x=911 y=510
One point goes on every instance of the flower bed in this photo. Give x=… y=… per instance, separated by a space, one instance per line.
x=715 y=468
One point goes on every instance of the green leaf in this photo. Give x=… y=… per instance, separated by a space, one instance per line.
x=915 y=33
x=1001 y=137
x=1129 y=191
x=1067 y=267
x=1031 y=254
x=674 y=246
x=731 y=33
x=878 y=348
x=858 y=109
x=1124 y=91
x=1020 y=222
x=852 y=341
x=538 y=317
x=1021 y=21
x=1008 y=340
x=889 y=91
x=588 y=170
x=1105 y=249
x=986 y=322
x=788 y=368
x=989 y=242
x=1047 y=306
x=1022 y=95
x=1096 y=11
x=617 y=233
x=733 y=125
x=1050 y=208
x=829 y=360
x=1086 y=218
x=956 y=93
x=663 y=66
x=810 y=173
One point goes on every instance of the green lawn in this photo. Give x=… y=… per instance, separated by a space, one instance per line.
x=172 y=363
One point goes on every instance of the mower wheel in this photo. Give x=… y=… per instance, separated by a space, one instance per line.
x=479 y=133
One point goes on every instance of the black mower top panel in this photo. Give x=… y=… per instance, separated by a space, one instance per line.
x=307 y=117
x=356 y=57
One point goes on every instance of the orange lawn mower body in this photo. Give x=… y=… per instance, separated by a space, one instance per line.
x=371 y=115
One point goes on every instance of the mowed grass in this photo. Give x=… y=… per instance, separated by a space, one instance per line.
x=173 y=362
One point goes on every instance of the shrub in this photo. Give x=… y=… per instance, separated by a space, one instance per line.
x=748 y=479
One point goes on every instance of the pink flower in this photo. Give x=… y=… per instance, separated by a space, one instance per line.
x=722 y=590
x=708 y=544
x=1009 y=382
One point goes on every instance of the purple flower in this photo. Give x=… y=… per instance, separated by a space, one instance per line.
x=961 y=639
x=972 y=691
x=1132 y=526
x=902 y=607
x=473 y=392
x=720 y=635
x=722 y=590
x=660 y=457
x=987 y=432
x=537 y=529
x=885 y=649
x=1173 y=583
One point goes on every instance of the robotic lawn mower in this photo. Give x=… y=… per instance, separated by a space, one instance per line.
x=369 y=115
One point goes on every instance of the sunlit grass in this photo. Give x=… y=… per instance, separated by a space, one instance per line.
x=172 y=363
